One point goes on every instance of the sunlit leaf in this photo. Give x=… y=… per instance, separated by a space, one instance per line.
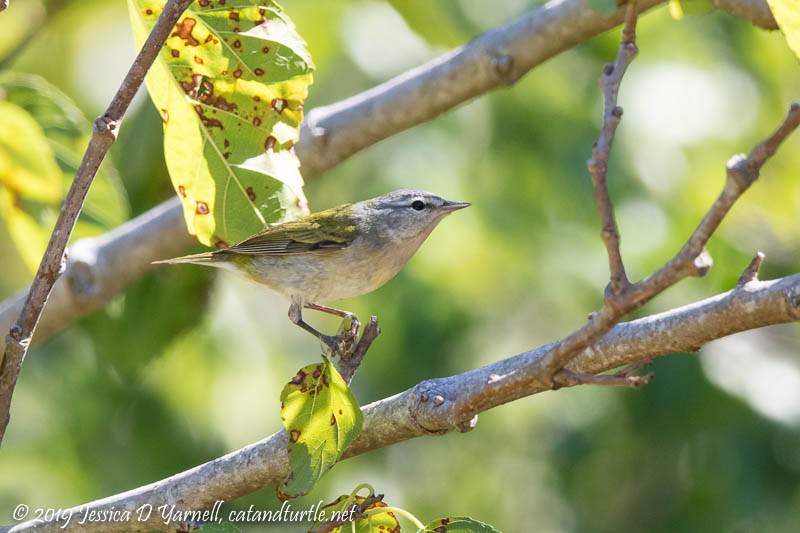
x=375 y=523
x=462 y=524
x=322 y=418
x=27 y=164
x=68 y=132
x=787 y=15
x=29 y=238
x=676 y=9
x=230 y=84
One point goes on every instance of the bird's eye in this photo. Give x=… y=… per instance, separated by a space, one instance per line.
x=417 y=205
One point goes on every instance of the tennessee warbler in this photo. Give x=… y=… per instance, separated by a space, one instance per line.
x=341 y=252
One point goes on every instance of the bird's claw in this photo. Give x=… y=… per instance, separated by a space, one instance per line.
x=342 y=343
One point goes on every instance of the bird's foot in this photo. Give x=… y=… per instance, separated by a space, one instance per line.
x=346 y=339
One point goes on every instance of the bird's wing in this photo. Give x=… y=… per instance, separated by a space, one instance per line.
x=321 y=232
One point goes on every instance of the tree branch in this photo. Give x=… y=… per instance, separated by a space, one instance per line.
x=499 y=56
x=437 y=406
x=54 y=261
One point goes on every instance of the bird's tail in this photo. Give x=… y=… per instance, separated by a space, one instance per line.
x=200 y=259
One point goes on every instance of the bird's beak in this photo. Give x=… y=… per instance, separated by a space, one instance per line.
x=454 y=206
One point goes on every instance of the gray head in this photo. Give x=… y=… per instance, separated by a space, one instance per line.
x=409 y=214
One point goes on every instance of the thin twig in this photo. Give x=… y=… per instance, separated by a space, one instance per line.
x=351 y=359
x=751 y=272
x=691 y=260
x=354 y=512
x=53 y=263
x=569 y=378
x=598 y=164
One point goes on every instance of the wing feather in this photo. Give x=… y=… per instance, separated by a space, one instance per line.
x=302 y=236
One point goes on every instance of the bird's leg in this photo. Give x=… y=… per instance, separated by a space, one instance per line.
x=296 y=316
x=348 y=331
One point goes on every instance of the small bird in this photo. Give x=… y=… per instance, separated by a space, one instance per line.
x=341 y=252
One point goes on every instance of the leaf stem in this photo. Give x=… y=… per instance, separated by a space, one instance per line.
x=402 y=512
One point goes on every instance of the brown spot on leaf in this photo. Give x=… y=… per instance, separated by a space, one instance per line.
x=175 y=53
x=298 y=378
x=269 y=144
x=265 y=49
x=440 y=529
x=340 y=411
x=234 y=15
x=226 y=155
x=294 y=435
x=203 y=3
x=319 y=388
x=209 y=38
x=198 y=60
x=279 y=104
x=251 y=194
x=202 y=208
x=317 y=372
x=148 y=11
x=226 y=143
x=261 y=11
x=164 y=115
x=237 y=73
x=184 y=30
x=236 y=30
x=222 y=2
x=237 y=43
x=257 y=98
x=256 y=121
x=182 y=190
x=445 y=521
x=221 y=244
x=207 y=121
x=333 y=420
x=259 y=71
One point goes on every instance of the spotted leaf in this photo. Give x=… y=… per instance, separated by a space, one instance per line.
x=787 y=15
x=374 y=523
x=457 y=524
x=322 y=418
x=230 y=84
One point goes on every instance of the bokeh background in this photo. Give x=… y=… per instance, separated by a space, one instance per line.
x=188 y=364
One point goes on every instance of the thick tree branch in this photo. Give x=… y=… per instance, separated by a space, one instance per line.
x=440 y=405
x=496 y=57
x=54 y=261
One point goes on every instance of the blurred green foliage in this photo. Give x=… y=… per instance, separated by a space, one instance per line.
x=188 y=364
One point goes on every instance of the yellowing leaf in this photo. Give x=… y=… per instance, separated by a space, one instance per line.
x=68 y=132
x=29 y=238
x=374 y=523
x=230 y=84
x=27 y=164
x=457 y=524
x=787 y=15
x=322 y=419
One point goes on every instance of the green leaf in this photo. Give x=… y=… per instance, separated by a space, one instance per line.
x=376 y=523
x=27 y=163
x=787 y=15
x=457 y=524
x=27 y=234
x=230 y=85
x=68 y=133
x=322 y=418
x=606 y=7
